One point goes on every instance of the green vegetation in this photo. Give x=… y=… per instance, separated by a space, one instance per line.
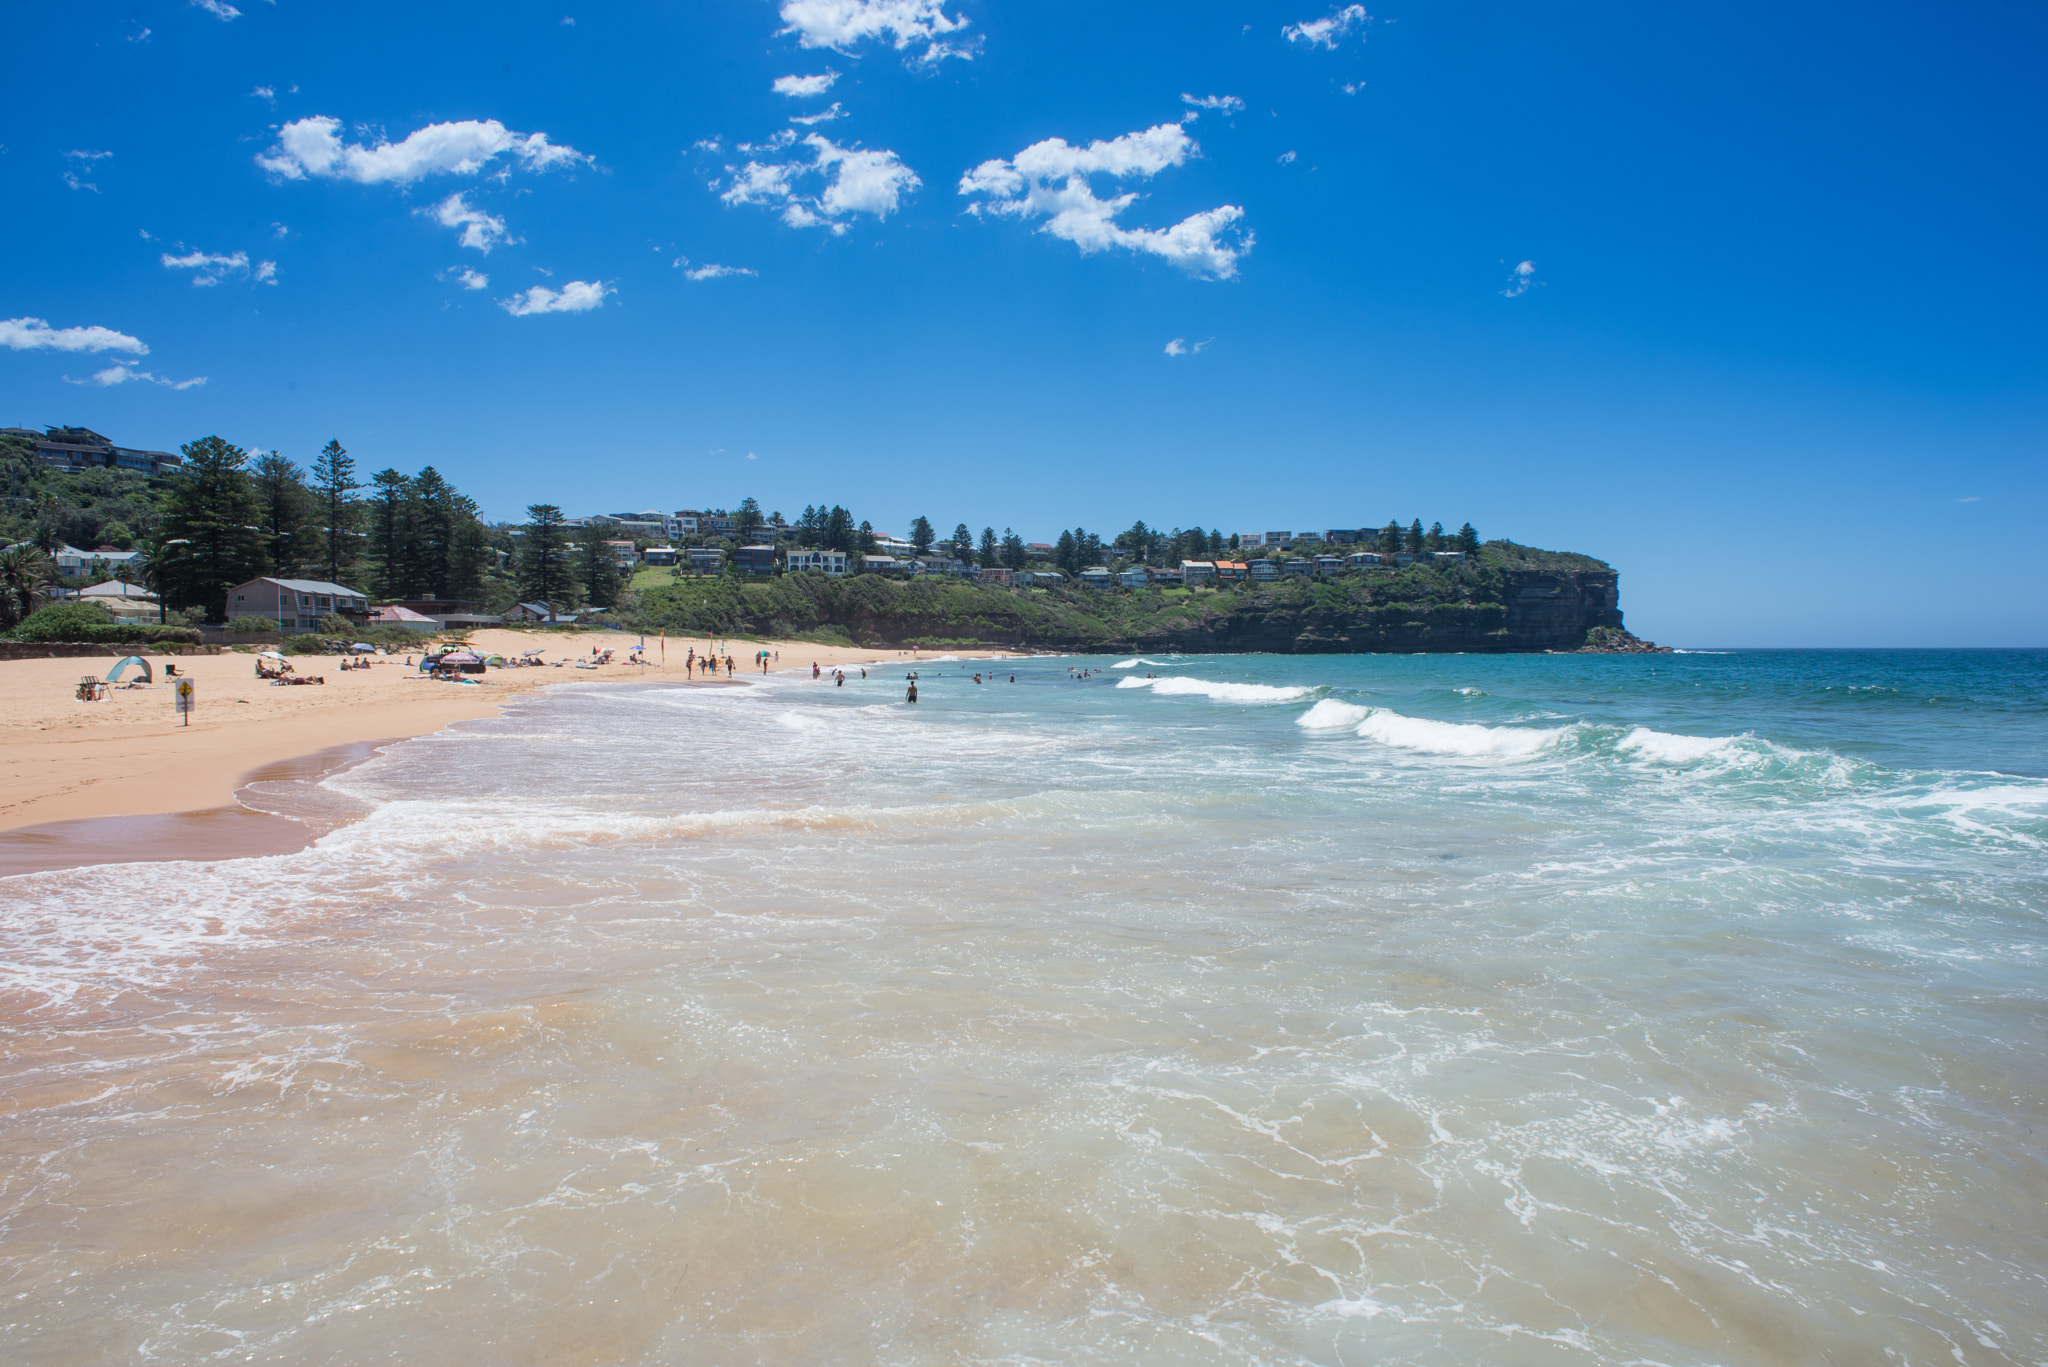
x=91 y=623
x=1468 y=599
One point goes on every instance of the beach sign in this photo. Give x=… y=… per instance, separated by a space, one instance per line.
x=181 y=697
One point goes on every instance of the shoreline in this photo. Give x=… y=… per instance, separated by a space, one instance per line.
x=91 y=783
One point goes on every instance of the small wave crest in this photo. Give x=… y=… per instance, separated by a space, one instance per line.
x=1665 y=748
x=1220 y=692
x=1331 y=715
x=1466 y=739
x=1141 y=660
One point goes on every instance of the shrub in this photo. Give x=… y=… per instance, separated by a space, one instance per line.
x=92 y=624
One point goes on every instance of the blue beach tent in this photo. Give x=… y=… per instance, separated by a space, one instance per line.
x=114 y=674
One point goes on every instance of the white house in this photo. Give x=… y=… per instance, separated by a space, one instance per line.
x=1198 y=571
x=1265 y=569
x=825 y=562
x=128 y=602
x=1097 y=577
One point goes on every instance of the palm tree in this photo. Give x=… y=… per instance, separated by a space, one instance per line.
x=25 y=575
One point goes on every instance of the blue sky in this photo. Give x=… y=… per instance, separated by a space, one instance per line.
x=1777 y=353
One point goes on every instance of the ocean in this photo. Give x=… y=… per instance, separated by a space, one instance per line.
x=1679 y=1009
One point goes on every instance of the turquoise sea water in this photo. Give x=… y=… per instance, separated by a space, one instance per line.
x=1681 y=1009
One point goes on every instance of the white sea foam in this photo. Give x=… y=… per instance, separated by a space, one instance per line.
x=1331 y=715
x=1141 y=660
x=1665 y=748
x=1219 y=692
x=1468 y=739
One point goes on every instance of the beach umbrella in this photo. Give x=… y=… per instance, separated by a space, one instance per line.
x=269 y=655
x=529 y=652
x=362 y=645
x=114 y=674
x=461 y=657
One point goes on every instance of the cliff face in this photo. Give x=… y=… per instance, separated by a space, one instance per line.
x=1535 y=610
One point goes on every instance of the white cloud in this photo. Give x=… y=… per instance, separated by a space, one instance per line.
x=1285 y=157
x=209 y=268
x=798 y=86
x=857 y=181
x=1050 y=179
x=33 y=334
x=710 y=271
x=279 y=230
x=265 y=93
x=1973 y=498
x=707 y=145
x=1330 y=31
x=122 y=373
x=84 y=162
x=1179 y=346
x=567 y=22
x=480 y=230
x=219 y=9
x=1220 y=104
x=141 y=36
x=266 y=272
x=823 y=116
x=473 y=280
x=313 y=147
x=578 y=296
x=1520 y=279
x=840 y=24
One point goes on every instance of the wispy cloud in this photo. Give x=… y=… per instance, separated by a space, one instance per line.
x=33 y=334
x=219 y=9
x=578 y=296
x=266 y=93
x=1285 y=157
x=856 y=180
x=1050 y=180
x=1179 y=346
x=1216 y=104
x=710 y=270
x=797 y=87
x=920 y=27
x=313 y=147
x=210 y=268
x=480 y=231
x=1520 y=279
x=1973 y=498
x=823 y=116
x=1331 y=30
x=123 y=373
x=81 y=166
x=472 y=279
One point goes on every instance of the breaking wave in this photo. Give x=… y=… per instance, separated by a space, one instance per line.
x=1468 y=739
x=1220 y=692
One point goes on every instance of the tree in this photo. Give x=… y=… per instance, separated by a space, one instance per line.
x=435 y=511
x=990 y=552
x=211 y=514
x=864 y=540
x=1468 y=539
x=469 y=554
x=1014 y=556
x=284 y=503
x=1217 y=545
x=1063 y=553
x=544 y=555
x=1415 y=537
x=961 y=547
x=1138 y=540
x=1390 y=537
x=600 y=572
x=838 y=534
x=922 y=536
x=810 y=528
x=25 y=578
x=390 y=541
x=334 y=488
x=747 y=521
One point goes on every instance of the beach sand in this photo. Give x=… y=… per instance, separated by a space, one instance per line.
x=65 y=762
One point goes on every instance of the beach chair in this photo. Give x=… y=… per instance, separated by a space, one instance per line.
x=90 y=689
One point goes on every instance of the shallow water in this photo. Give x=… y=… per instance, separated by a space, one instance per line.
x=1677 y=1010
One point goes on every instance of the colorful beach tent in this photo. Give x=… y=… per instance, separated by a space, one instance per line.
x=114 y=674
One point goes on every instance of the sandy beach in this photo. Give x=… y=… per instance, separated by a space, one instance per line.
x=130 y=755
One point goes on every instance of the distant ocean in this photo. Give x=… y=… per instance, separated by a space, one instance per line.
x=1685 y=1009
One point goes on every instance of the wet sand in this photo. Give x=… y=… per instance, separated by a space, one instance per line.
x=96 y=782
